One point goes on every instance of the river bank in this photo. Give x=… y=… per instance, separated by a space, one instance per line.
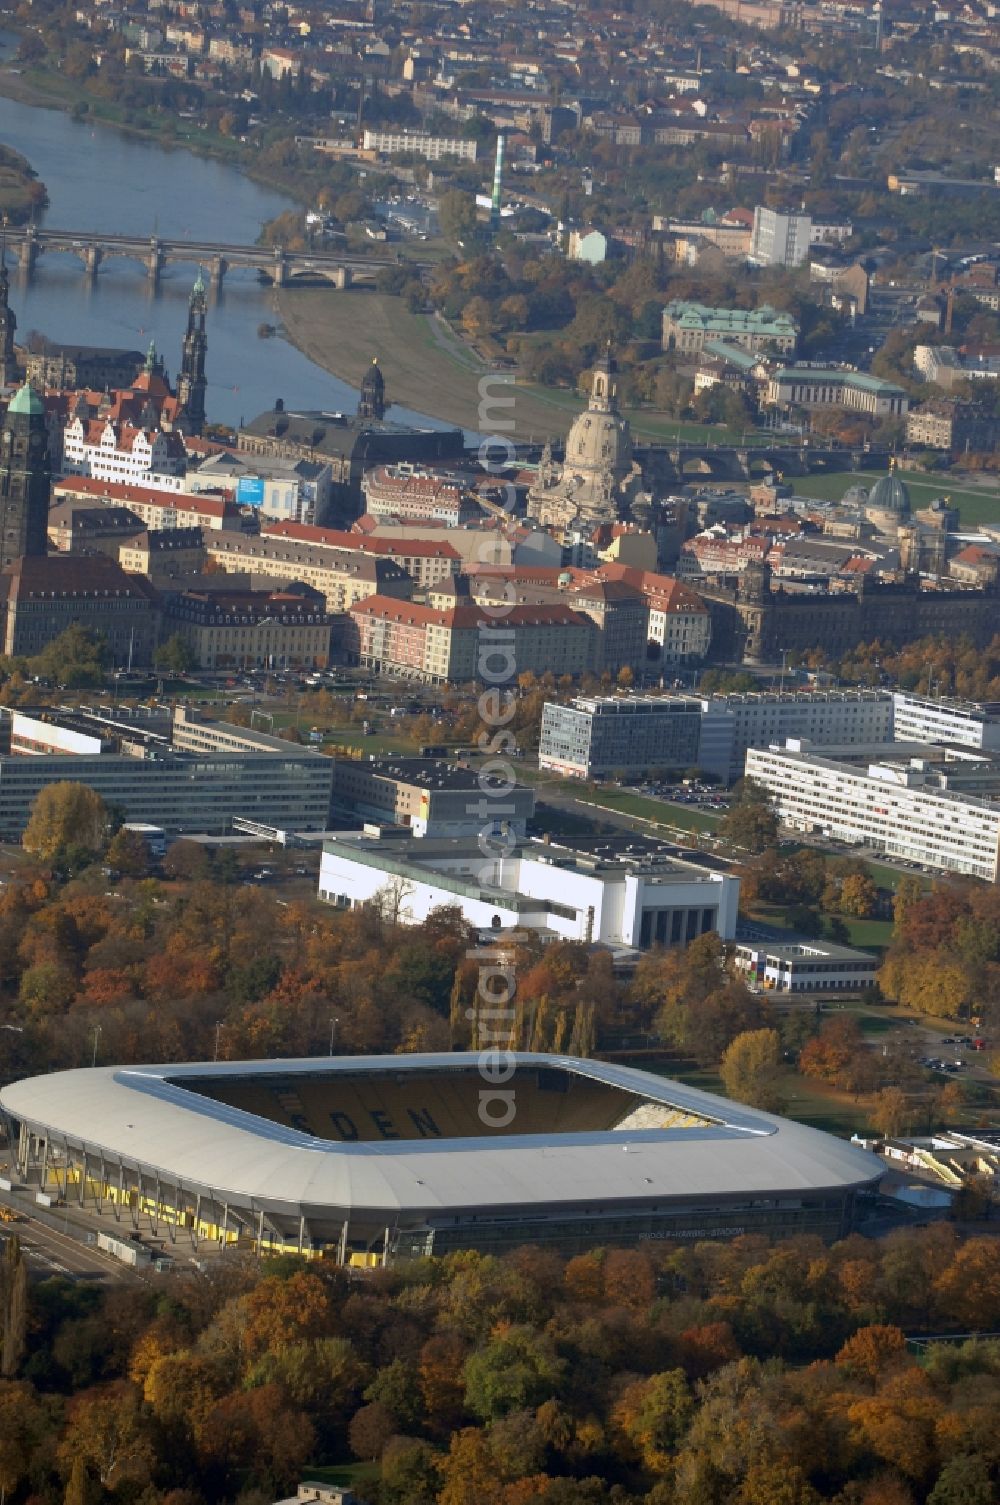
x=427 y=367
x=22 y=194
x=48 y=89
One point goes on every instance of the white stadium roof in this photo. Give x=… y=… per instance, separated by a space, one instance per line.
x=146 y=1117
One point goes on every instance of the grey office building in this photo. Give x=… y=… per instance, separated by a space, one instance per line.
x=597 y=736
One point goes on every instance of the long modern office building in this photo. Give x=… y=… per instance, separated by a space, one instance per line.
x=160 y=777
x=844 y=717
x=913 y=802
x=956 y=723
x=627 y=892
x=597 y=737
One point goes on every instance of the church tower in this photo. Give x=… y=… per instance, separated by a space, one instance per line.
x=371 y=403
x=8 y=325
x=191 y=382
x=24 y=478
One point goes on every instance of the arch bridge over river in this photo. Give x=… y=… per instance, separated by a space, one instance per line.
x=722 y=462
x=279 y=265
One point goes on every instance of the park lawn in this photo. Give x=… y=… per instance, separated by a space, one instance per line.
x=565 y=822
x=657 y=812
x=691 y=1075
x=807 y=1101
x=888 y=877
x=343 y=1474
x=822 y=1106
x=869 y=935
x=976 y=504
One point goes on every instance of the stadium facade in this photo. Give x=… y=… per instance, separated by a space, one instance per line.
x=369 y=1159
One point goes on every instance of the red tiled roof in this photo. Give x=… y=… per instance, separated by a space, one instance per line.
x=334 y=538
x=472 y=616
x=122 y=491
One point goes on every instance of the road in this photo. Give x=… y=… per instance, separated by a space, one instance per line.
x=49 y=1252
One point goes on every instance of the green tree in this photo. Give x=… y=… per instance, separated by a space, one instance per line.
x=654 y=1414
x=964 y=1480
x=517 y=1368
x=76 y=659
x=63 y=816
x=909 y=892
x=750 y=823
x=81 y=1487
x=457 y=214
x=892 y=1112
x=749 y=1069
x=176 y=655
x=128 y=853
x=13 y=1307
x=410 y=1473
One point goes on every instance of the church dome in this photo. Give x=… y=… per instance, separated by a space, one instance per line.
x=889 y=494
x=599 y=442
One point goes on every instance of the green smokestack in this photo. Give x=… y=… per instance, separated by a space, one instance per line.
x=497 y=186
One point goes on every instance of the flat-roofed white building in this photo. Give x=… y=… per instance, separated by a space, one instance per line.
x=421 y=144
x=625 y=893
x=804 y=966
x=957 y=723
x=824 y=716
x=909 y=801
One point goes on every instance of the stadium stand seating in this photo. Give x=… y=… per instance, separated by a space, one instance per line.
x=437 y=1105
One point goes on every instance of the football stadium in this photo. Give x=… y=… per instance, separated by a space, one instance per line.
x=370 y=1159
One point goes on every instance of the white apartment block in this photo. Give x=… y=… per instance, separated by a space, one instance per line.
x=884 y=798
x=957 y=723
x=841 y=717
x=420 y=144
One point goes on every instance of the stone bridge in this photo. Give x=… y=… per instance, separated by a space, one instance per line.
x=690 y=462
x=279 y=265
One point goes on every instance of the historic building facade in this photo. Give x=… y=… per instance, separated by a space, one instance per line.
x=756 y=623
x=599 y=478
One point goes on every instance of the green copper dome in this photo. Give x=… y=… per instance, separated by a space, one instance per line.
x=890 y=495
x=26 y=400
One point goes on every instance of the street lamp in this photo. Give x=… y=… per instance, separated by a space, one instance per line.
x=333 y=1032
x=218 y=1031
